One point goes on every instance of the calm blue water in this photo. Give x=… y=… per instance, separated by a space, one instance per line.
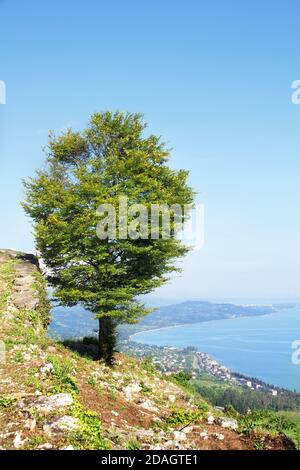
x=255 y=346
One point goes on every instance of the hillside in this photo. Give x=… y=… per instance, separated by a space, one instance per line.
x=56 y=396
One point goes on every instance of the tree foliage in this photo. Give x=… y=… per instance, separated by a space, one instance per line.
x=111 y=158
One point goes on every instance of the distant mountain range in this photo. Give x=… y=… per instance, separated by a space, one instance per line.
x=76 y=322
x=194 y=312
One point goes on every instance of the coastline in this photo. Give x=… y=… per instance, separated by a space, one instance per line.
x=237 y=317
x=203 y=322
x=221 y=363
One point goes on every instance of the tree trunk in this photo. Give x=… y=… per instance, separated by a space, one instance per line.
x=107 y=339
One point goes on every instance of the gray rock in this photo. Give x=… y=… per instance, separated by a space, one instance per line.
x=30 y=424
x=47 y=369
x=45 y=405
x=204 y=434
x=131 y=390
x=229 y=423
x=179 y=436
x=18 y=441
x=149 y=406
x=46 y=446
x=219 y=436
x=62 y=425
x=25 y=300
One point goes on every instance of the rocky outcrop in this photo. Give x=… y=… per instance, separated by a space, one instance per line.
x=229 y=423
x=62 y=425
x=26 y=267
x=24 y=295
x=45 y=405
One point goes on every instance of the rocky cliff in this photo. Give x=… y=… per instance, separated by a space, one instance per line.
x=56 y=396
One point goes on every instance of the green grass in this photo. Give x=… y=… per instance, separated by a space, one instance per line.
x=89 y=436
x=7 y=271
x=40 y=286
x=264 y=421
x=182 y=417
x=148 y=366
x=269 y=422
x=19 y=357
x=61 y=375
x=132 y=444
x=6 y=402
x=294 y=417
x=27 y=326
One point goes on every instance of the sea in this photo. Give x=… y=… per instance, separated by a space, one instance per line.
x=266 y=347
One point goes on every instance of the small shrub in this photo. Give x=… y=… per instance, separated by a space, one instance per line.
x=61 y=374
x=92 y=381
x=266 y=421
x=259 y=443
x=230 y=411
x=133 y=444
x=148 y=365
x=183 y=417
x=145 y=389
x=182 y=378
x=89 y=436
x=40 y=286
x=19 y=357
x=34 y=442
x=6 y=402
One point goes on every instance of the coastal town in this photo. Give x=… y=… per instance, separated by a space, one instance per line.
x=170 y=360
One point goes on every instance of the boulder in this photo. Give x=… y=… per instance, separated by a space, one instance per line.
x=229 y=423
x=47 y=369
x=46 y=446
x=219 y=436
x=25 y=300
x=149 y=406
x=179 y=436
x=18 y=441
x=30 y=424
x=204 y=434
x=131 y=390
x=62 y=425
x=45 y=405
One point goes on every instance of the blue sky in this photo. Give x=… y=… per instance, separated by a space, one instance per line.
x=213 y=78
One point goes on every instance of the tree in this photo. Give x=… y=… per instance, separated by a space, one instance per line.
x=110 y=159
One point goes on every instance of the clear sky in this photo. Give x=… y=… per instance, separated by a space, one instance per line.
x=213 y=78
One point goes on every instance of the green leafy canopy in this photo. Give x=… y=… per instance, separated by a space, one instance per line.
x=111 y=158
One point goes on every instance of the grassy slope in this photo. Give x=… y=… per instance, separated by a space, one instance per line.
x=294 y=417
x=128 y=406
x=290 y=424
